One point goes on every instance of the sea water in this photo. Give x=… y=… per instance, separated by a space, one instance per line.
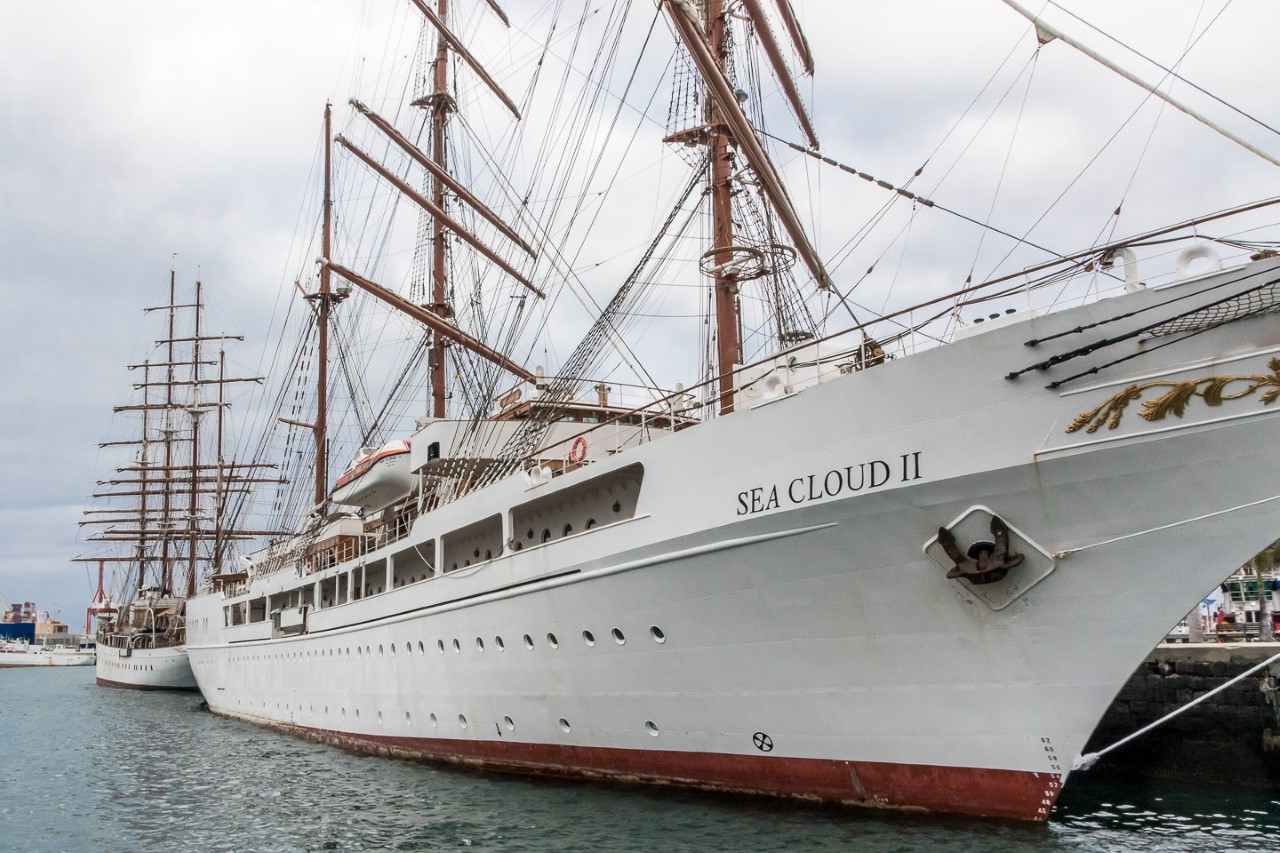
x=87 y=768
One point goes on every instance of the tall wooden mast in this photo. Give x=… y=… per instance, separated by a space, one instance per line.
x=166 y=570
x=194 y=411
x=728 y=341
x=325 y=299
x=441 y=104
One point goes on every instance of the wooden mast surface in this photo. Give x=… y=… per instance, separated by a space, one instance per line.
x=728 y=343
x=322 y=347
x=440 y=105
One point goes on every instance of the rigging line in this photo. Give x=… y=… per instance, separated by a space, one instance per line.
x=1037 y=341
x=550 y=251
x=1008 y=155
x=902 y=191
x=1086 y=761
x=1114 y=220
x=1073 y=258
x=1106 y=342
x=1169 y=71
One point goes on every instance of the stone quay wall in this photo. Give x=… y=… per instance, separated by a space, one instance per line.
x=1232 y=737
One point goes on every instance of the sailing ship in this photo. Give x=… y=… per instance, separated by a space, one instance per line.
x=895 y=564
x=162 y=512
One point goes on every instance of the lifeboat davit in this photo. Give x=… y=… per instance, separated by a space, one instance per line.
x=376 y=478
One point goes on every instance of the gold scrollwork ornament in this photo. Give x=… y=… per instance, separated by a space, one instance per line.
x=1213 y=390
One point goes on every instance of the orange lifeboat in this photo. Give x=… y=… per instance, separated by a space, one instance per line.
x=376 y=478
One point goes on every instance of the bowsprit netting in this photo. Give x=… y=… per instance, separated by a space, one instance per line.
x=1255 y=302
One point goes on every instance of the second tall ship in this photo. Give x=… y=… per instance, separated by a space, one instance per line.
x=161 y=516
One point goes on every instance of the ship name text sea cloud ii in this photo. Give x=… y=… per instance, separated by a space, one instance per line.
x=883 y=558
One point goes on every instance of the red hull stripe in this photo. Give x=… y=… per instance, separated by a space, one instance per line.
x=106 y=682
x=962 y=790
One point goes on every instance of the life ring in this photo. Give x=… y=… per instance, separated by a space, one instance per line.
x=579 y=450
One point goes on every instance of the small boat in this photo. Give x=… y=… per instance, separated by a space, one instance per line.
x=376 y=478
x=20 y=653
x=31 y=639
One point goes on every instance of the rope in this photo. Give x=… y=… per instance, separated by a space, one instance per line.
x=1069 y=551
x=1086 y=761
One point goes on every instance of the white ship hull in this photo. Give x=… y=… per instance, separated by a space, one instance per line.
x=14 y=655
x=145 y=669
x=780 y=626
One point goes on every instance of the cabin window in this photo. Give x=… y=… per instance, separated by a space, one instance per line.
x=481 y=537
x=414 y=564
x=580 y=506
x=258 y=610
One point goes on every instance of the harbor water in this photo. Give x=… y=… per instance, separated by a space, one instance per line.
x=85 y=768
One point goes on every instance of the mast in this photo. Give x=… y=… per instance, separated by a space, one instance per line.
x=166 y=579
x=728 y=341
x=440 y=107
x=322 y=354
x=144 y=463
x=219 y=498
x=195 y=412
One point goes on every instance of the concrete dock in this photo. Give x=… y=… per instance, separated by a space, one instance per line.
x=1233 y=737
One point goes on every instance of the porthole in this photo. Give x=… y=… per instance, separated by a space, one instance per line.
x=588 y=638
x=457 y=647
x=529 y=535
x=393 y=649
x=462 y=720
x=408 y=719
x=519 y=546
x=368 y=651
x=528 y=642
x=552 y=641
x=381 y=653
x=564 y=725
x=357 y=651
x=421 y=650
x=568 y=528
x=342 y=715
x=510 y=723
x=618 y=636
x=379 y=718
x=591 y=522
x=326 y=710
x=617 y=506
x=477 y=553
x=357 y=713
x=546 y=534
x=657 y=634
x=652 y=727
x=479 y=644
x=433 y=719
x=440 y=646
x=488 y=555
x=497 y=641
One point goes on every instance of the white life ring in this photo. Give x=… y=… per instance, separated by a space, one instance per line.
x=579 y=450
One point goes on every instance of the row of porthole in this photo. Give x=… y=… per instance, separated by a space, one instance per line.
x=546 y=537
x=656 y=633
x=650 y=726
x=553 y=641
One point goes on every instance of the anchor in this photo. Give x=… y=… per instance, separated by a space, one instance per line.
x=985 y=562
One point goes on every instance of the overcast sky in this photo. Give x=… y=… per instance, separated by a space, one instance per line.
x=135 y=134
